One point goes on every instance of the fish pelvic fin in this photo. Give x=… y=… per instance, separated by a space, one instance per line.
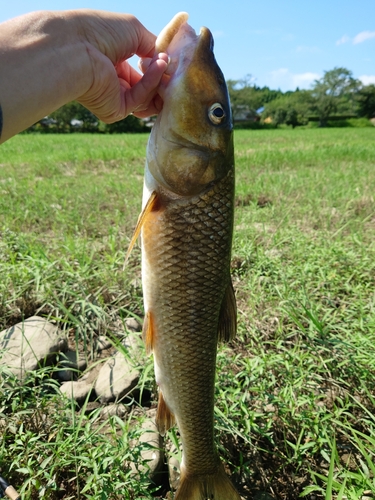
x=215 y=486
x=228 y=315
x=151 y=202
x=164 y=417
x=148 y=332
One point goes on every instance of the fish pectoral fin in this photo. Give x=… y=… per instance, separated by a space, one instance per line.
x=164 y=417
x=141 y=219
x=228 y=315
x=148 y=332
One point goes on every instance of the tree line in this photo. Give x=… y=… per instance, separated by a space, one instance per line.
x=337 y=95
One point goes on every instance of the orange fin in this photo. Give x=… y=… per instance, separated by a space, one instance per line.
x=148 y=332
x=228 y=315
x=164 y=417
x=201 y=487
x=141 y=219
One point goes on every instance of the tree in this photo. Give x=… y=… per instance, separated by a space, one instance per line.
x=244 y=98
x=366 y=101
x=335 y=92
x=128 y=124
x=291 y=108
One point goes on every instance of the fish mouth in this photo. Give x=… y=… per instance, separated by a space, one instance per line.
x=178 y=140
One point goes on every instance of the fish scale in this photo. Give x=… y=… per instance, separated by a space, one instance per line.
x=182 y=292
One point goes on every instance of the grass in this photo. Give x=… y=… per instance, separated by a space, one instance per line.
x=296 y=389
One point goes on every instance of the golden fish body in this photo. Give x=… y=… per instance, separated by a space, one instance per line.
x=186 y=230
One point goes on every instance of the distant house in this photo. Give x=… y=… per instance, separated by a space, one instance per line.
x=243 y=113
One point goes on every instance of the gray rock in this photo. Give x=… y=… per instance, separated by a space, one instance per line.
x=116 y=379
x=151 y=445
x=174 y=455
x=113 y=410
x=76 y=390
x=102 y=343
x=30 y=344
x=174 y=472
x=133 y=325
x=71 y=365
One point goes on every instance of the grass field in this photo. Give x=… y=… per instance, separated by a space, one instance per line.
x=295 y=412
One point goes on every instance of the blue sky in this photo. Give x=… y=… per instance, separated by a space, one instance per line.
x=282 y=44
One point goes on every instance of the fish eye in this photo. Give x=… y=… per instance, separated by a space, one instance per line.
x=216 y=113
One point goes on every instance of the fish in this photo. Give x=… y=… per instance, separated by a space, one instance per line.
x=186 y=228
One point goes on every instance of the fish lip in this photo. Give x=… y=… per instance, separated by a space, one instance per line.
x=181 y=141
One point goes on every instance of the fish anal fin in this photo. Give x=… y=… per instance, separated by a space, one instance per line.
x=228 y=315
x=164 y=417
x=148 y=332
x=149 y=207
x=201 y=487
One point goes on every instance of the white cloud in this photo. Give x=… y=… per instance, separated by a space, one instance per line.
x=343 y=39
x=285 y=80
x=360 y=38
x=306 y=49
x=367 y=79
x=363 y=36
x=304 y=80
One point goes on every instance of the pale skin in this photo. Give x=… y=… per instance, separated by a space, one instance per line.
x=48 y=59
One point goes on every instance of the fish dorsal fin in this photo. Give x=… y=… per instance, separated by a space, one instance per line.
x=228 y=315
x=141 y=219
x=148 y=332
x=164 y=417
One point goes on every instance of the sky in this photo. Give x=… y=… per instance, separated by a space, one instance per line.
x=282 y=44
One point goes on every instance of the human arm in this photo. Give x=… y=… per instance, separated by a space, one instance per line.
x=48 y=59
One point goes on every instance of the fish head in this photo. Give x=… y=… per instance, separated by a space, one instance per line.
x=191 y=143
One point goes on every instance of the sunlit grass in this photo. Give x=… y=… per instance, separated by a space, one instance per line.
x=295 y=390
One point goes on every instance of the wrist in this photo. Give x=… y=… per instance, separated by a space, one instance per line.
x=44 y=64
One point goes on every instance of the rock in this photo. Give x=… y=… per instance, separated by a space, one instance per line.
x=174 y=472
x=113 y=410
x=30 y=344
x=77 y=390
x=91 y=374
x=102 y=343
x=70 y=365
x=174 y=455
x=116 y=379
x=151 y=445
x=133 y=325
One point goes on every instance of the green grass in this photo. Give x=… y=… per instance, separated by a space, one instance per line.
x=295 y=391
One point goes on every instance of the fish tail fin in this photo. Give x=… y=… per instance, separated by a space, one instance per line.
x=201 y=487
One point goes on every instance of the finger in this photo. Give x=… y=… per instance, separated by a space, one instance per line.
x=143 y=90
x=154 y=108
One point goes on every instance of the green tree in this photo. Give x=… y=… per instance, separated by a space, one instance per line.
x=128 y=124
x=335 y=92
x=74 y=111
x=366 y=101
x=292 y=108
x=244 y=98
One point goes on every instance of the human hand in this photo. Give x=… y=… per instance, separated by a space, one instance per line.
x=116 y=88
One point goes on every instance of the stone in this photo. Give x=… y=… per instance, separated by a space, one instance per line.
x=77 y=390
x=174 y=455
x=116 y=379
x=32 y=343
x=133 y=325
x=103 y=343
x=174 y=472
x=112 y=410
x=71 y=365
x=151 y=445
